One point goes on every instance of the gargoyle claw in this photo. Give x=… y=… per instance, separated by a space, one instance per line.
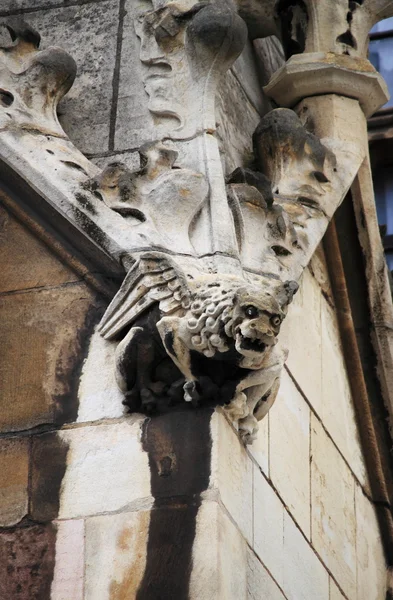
x=191 y=393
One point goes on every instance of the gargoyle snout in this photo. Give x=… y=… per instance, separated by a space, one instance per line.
x=260 y=331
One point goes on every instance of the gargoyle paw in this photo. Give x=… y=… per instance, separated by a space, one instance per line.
x=191 y=393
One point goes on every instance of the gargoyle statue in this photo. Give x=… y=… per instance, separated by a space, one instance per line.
x=219 y=330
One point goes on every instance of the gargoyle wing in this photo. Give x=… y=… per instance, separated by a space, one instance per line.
x=153 y=278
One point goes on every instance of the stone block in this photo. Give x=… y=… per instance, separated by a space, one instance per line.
x=259 y=582
x=231 y=473
x=219 y=557
x=338 y=412
x=27 y=557
x=12 y=7
x=290 y=451
x=237 y=120
x=116 y=550
x=43 y=336
x=134 y=123
x=105 y=470
x=301 y=334
x=130 y=159
x=334 y=591
x=259 y=449
x=318 y=268
x=14 y=474
x=245 y=69
x=98 y=393
x=68 y=577
x=333 y=509
x=305 y=577
x=25 y=262
x=371 y=563
x=89 y=33
x=268 y=527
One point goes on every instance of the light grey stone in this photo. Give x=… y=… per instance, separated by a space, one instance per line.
x=342 y=426
x=371 y=567
x=129 y=159
x=231 y=474
x=333 y=510
x=107 y=469
x=305 y=577
x=290 y=451
x=260 y=584
x=268 y=526
x=68 y=577
x=237 y=120
x=85 y=112
x=219 y=570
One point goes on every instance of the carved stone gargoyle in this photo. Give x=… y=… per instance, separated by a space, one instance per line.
x=203 y=329
x=211 y=268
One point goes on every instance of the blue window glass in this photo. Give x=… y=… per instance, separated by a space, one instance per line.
x=383 y=187
x=381 y=56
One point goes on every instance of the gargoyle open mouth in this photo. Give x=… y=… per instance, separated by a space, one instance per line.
x=255 y=345
x=249 y=344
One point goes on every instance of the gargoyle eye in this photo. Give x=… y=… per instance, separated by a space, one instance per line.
x=275 y=320
x=251 y=311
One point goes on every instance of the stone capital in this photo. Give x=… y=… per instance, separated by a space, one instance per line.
x=320 y=73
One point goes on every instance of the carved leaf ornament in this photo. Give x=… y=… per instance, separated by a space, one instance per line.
x=212 y=264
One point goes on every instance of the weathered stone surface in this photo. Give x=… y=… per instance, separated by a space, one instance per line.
x=231 y=473
x=334 y=591
x=268 y=527
x=11 y=7
x=245 y=69
x=260 y=447
x=27 y=557
x=336 y=392
x=14 y=473
x=324 y=73
x=85 y=112
x=333 y=509
x=130 y=159
x=289 y=451
x=219 y=557
x=98 y=394
x=305 y=577
x=48 y=465
x=115 y=555
x=238 y=119
x=259 y=582
x=25 y=262
x=371 y=563
x=132 y=104
x=43 y=336
x=107 y=469
x=68 y=577
x=318 y=268
x=301 y=334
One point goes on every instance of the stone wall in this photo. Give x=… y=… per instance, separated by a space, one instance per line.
x=289 y=517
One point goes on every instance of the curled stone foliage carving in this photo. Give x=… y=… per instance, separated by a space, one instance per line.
x=212 y=263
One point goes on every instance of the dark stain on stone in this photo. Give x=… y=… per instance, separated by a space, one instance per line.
x=90 y=228
x=69 y=367
x=86 y=203
x=179 y=448
x=48 y=466
x=27 y=559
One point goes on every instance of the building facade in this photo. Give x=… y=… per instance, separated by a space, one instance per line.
x=168 y=155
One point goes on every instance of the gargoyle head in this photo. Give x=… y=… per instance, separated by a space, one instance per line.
x=257 y=317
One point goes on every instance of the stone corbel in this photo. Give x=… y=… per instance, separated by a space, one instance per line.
x=212 y=265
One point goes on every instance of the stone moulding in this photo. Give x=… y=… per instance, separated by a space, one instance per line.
x=212 y=264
